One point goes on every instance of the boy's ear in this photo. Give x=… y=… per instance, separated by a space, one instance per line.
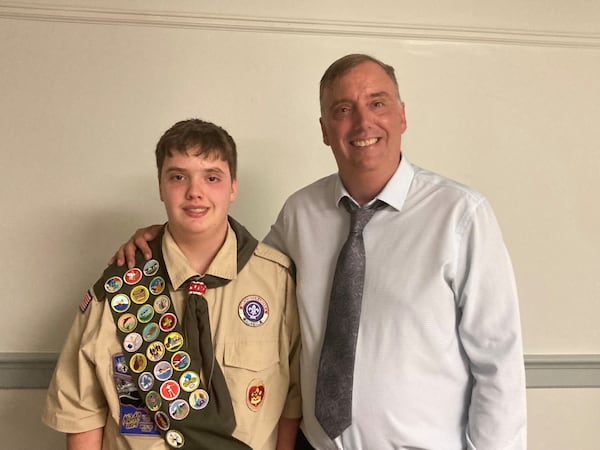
x=233 y=194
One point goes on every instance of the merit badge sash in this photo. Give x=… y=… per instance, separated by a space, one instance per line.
x=156 y=352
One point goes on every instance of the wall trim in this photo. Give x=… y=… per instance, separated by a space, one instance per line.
x=307 y=26
x=34 y=370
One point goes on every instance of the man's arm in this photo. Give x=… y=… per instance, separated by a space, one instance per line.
x=140 y=239
x=490 y=333
x=286 y=434
x=88 y=440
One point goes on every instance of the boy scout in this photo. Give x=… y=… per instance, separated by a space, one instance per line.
x=197 y=347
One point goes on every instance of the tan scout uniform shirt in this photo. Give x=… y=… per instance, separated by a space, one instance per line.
x=82 y=394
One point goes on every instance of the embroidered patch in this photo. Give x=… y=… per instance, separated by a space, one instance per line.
x=255 y=394
x=132 y=276
x=87 y=299
x=151 y=267
x=253 y=310
x=133 y=416
x=174 y=438
x=179 y=409
x=113 y=284
x=199 y=399
x=189 y=381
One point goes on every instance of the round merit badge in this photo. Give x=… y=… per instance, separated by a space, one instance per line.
x=180 y=361
x=169 y=390
x=153 y=401
x=132 y=342
x=163 y=371
x=199 y=399
x=161 y=420
x=127 y=323
x=179 y=409
x=189 y=381
x=132 y=276
x=161 y=304
x=139 y=294
x=174 y=438
x=151 y=267
x=146 y=381
x=157 y=285
x=113 y=284
x=173 y=341
x=120 y=303
x=253 y=310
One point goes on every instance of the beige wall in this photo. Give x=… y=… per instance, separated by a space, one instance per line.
x=503 y=97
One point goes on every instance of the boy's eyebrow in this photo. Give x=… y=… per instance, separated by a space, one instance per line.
x=217 y=170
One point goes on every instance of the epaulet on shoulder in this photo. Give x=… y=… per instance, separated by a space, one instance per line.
x=267 y=252
x=98 y=288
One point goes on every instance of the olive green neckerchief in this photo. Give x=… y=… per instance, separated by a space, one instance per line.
x=162 y=363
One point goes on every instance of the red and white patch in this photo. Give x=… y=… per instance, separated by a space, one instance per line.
x=255 y=394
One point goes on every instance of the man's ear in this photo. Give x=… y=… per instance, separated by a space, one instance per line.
x=324 y=131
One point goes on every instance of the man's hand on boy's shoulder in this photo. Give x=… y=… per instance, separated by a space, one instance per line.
x=139 y=240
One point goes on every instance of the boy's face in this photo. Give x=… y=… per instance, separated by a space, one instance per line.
x=196 y=191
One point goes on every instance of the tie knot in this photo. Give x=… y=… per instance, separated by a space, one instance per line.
x=359 y=217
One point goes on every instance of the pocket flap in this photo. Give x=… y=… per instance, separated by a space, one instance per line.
x=255 y=356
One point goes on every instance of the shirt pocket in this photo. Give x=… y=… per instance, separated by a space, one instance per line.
x=251 y=356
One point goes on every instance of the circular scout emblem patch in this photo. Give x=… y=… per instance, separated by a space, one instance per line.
x=155 y=351
x=255 y=394
x=174 y=438
x=146 y=381
x=145 y=313
x=162 y=420
x=151 y=267
x=138 y=363
x=113 y=284
x=139 y=294
x=169 y=390
x=167 y=322
x=163 y=371
x=173 y=341
x=253 y=311
x=120 y=303
x=189 y=381
x=179 y=409
x=132 y=342
x=132 y=276
x=157 y=285
x=180 y=361
x=153 y=401
x=161 y=304
x=127 y=323
x=151 y=332
x=199 y=399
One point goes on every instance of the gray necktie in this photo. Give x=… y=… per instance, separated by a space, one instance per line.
x=333 y=402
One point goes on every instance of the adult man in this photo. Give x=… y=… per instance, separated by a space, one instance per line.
x=142 y=360
x=438 y=361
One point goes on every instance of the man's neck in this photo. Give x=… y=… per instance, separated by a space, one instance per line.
x=365 y=186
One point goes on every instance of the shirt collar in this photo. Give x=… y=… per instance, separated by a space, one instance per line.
x=394 y=192
x=224 y=264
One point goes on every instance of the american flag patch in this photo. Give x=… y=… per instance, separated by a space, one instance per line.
x=87 y=299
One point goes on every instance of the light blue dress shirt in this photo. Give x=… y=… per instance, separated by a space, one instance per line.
x=439 y=363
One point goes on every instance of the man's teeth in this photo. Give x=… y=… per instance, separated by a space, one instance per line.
x=364 y=142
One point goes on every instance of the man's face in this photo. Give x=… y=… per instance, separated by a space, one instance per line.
x=363 y=121
x=196 y=191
